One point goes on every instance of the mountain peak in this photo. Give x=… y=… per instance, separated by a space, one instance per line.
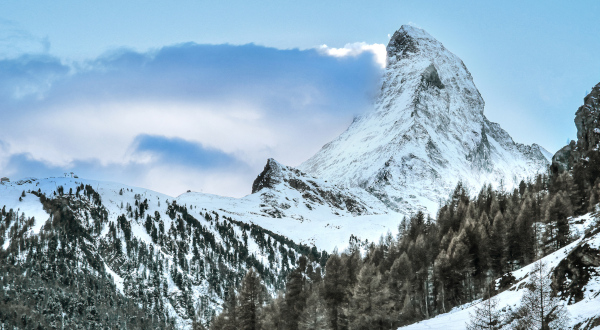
x=426 y=132
x=407 y=39
x=280 y=187
x=271 y=175
x=413 y=32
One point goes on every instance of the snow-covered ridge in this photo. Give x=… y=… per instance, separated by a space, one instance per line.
x=426 y=132
x=302 y=208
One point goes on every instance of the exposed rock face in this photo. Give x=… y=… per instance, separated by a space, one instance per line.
x=573 y=273
x=561 y=160
x=587 y=121
x=282 y=187
x=426 y=132
x=269 y=177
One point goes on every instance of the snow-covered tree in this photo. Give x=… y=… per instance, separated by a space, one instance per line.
x=540 y=309
x=486 y=316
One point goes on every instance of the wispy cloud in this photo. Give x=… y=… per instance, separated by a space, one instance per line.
x=15 y=41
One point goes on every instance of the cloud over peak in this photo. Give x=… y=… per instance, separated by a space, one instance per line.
x=356 y=49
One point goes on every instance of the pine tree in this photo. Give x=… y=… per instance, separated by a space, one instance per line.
x=252 y=294
x=526 y=243
x=442 y=271
x=334 y=290
x=314 y=316
x=295 y=298
x=230 y=311
x=399 y=274
x=271 y=316
x=498 y=245
x=366 y=310
x=561 y=212
x=539 y=308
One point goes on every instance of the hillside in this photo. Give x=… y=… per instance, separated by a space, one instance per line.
x=172 y=258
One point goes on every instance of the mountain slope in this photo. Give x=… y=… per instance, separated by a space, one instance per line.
x=574 y=271
x=426 y=132
x=304 y=208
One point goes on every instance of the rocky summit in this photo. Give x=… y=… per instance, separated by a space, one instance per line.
x=426 y=132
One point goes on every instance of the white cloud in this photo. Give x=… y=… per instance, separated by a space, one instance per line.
x=357 y=48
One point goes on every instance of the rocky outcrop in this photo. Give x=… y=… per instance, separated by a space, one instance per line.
x=587 y=121
x=562 y=159
x=269 y=177
x=573 y=273
x=282 y=187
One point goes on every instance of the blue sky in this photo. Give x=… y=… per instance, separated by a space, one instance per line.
x=197 y=95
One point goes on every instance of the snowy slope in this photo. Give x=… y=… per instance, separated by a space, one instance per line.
x=426 y=132
x=305 y=209
x=583 y=295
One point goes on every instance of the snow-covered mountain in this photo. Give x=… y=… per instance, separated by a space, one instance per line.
x=174 y=256
x=572 y=273
x=426 y=132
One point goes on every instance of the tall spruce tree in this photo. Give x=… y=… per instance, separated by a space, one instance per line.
x=252 y=296
x=334 y=290
x=367 y=309
x=314 y=316
x=295 y=298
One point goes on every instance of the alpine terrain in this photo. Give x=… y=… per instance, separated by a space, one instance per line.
x=421 y=210
x=426 y=133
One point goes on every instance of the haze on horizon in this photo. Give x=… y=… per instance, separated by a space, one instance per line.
x=198 y=96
